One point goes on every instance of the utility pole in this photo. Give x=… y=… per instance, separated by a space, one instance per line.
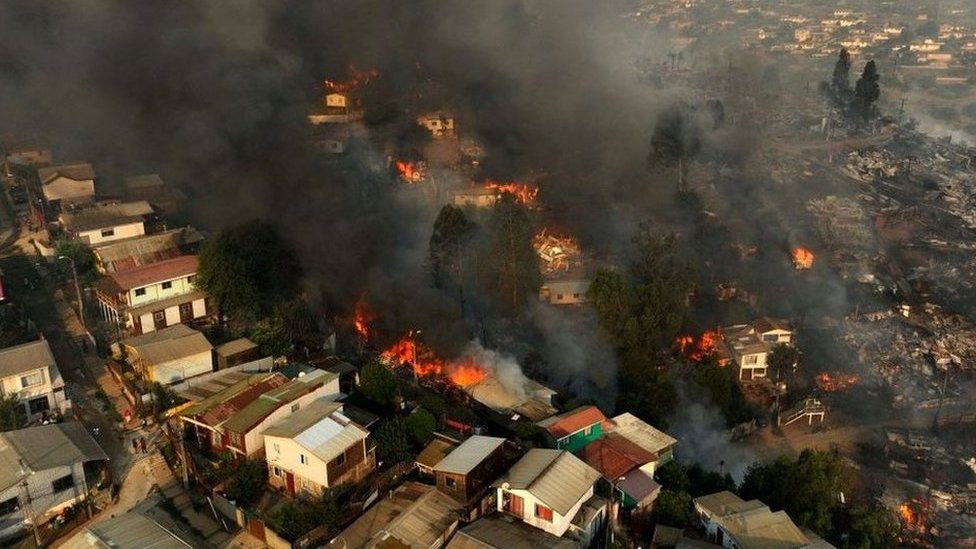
x=81 y=303
x=901 y=110
x=29 y=515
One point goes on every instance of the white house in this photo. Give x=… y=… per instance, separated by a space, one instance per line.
x=734 y=523
x=317 y=448
x=169 y=355
x=107 y=222
x=153 y=296
x=52 y=466
x=440 y=124
x=67 y=183
x=547 y=489
x=30 y=372
x=749 y=345
x=564 y=292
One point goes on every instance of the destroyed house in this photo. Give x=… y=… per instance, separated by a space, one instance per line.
x=573 y=430
x=317 y=448
x=67 y=183
x=570 y=291
x=547 y=489
x=730 y=521
x=152 y=297
x=169 y=355
x=106 y=222
x=467 y=471
x=131 y=253
x=440 y=124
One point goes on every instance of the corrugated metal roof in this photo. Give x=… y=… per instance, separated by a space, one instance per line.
x=469 y=454
x=79 y=172
x=642 y=434
x=24 y=357
x=235 y=347
x=106 y=215
x=252 y=386
x=567 y=423
x=133 y=531
x=47 y=446
x=304 y=418
x=503 y=532
x=160 y=271
x=255 y=412
x=421 y=525
x=434 y=452
x=330 y=436
x=614 y=456
x=639 y=485
x=556 y=477
x=169 y=345
x=725 y=503
x=762 y=529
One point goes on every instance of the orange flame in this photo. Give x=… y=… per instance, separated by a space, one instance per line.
x=361 y=318
x=411 y=172
x=522 y=192
x=356 y=79
x=407 y=350
x=704 y=349
x=802 y=258
x=914 y=513
x=836 y=381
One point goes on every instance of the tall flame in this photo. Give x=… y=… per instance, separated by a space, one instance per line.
x=522 y=192
x=704 y=349
x=361 y=318
x=407 y=350
x=356 y=79
x=411 y=172
x=802 y=258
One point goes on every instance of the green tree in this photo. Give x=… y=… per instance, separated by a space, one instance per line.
x=271 y=336
x=436 y=406
x=840 y=82
x=452 y=232
x=377 y=383
x=421 y=424
x=300 y=322
x=247 y=480
x=295 y=518
x=782 y=360
x=673 y=509
x=808 y=488
x=512 y=265
x=719 y=382
x=867 y=91
x=872 y=528
x=392 y=444
x=13 y=415
x=248 y=269
x=83 y=258
x=163 y=397
x=694 y=479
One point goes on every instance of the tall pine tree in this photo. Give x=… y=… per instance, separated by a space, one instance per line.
x=867 y=91
x=840 y=83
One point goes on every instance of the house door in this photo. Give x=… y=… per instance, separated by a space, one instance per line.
x=512 y=504
x=159 y=319
x=290 y=483
x=186 y=312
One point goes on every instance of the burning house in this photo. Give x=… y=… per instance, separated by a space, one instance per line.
x=561 y=258
x=440 y=124
x=749 y=345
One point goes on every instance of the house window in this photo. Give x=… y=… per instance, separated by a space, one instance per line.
x=31 y=380
x=294 y=407
x=167 y=285
x=276 y=471
x=8 y=506
x=63 y=483
x=588 y=431
x=140 y=292
x=215 y=438
x=770 y=337
x=576 y=296
x=559 y=297
x=450 y=482
x=190 y=278
x=340 y=460
x=543 y=512
x=301 y=457
x=108 y=232
x=159 y=316
x=277 y=448
x=750 y=359
x=38 y=405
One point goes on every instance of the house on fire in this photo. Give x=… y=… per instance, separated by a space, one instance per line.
x=731 y=522
x=169 y=355
x=106 y=222
x=466 y=473
x=237 y=417
x=573 y=430
x=29 y=372
x=440 y=124
x=749 y=345
x=54 y=465
x=67 y=184
x=317 y=448
x=152 y=297
x=553 y=490
x=341 y=107
x=532 y=401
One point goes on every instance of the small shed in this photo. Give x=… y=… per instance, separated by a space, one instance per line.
x=234 y=353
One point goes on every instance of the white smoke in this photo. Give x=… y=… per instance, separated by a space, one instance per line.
x=500 y=366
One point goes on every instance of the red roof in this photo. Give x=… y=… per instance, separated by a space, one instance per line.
x=162 y=271
x=570 y=422
x=614 y=456
x=219 y=413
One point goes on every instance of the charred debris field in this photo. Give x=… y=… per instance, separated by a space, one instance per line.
x=719 y=257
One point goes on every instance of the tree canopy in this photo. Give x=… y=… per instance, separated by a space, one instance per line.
x=392 y=443
x=248 y=269
x=513 y=267
x=452 y=230
x=421 y=425
x=867 y=90
x=12 y=413
x=378 y=384
x=840 y=82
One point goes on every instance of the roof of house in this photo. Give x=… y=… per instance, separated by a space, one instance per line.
x=434 y=452
x=106 y=215
x=469 y=454
x=216 y=408
x=129 y=253
x=235 y=347
x=725 y=503
x=556 y=477
x=642 y=434
x=613 y=455
x=153 y=273
x=24 y=357
x=362 y=417
x=638 y=485
x=567 y=423
x=762 y=529
x=335 y=364
x=414 y=516
x=504 y=532
x=767 y=324
x=567 y=285
x=79 y=172
x=132 y=530
x=251 y=415
x=210 y=384
x=743 y=339
x=532 y=401
x=320 y=428
x=45 y=447
x=169 y=344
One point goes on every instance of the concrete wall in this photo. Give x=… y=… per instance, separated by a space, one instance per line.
x=156 y=292
x=118 y=232
x=180 y=369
